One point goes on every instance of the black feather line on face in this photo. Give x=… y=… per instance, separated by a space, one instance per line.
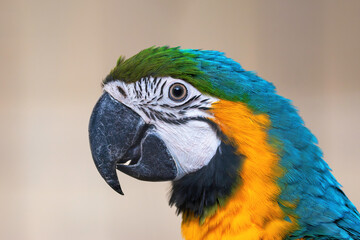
x=162 y=88
x=159 y=98
x=146 y=86
x=139 y=84
x=209 y=187
x=187 y=102
x=122 y=92
x=157 y=81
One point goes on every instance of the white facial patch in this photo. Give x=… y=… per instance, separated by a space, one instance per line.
x=181 y=124
x=192 y=144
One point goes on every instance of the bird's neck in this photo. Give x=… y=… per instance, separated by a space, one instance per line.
x=252 y=210
x=201 y=193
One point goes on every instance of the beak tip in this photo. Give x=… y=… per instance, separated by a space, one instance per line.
x=118 y=190
x=114 y=184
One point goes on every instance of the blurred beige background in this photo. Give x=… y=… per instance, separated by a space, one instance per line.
x=54 y=54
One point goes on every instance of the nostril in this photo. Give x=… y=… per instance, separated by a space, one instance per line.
x=122 y=91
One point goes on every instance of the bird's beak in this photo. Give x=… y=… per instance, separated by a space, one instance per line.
x=120 y=139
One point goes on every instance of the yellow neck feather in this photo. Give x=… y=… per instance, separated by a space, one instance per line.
x=252 y=212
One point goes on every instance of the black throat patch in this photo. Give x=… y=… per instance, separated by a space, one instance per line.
x=202 y=192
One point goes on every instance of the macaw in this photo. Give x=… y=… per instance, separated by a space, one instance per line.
x=241 y=161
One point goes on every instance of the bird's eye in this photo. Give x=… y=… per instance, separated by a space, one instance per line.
x=177 y=92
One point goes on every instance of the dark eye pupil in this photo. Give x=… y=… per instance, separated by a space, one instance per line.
x=177 y=91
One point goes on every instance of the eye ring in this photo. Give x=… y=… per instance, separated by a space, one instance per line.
x=178 y=92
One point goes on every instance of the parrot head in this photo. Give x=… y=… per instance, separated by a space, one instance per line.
x=223 y=136
x=154 y=122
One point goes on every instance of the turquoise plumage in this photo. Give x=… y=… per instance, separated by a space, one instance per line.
x=324 y=211
x=265 y=160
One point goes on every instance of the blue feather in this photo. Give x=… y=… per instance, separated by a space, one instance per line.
x=323 y=209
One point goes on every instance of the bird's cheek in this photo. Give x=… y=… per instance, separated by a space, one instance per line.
x=192 y=145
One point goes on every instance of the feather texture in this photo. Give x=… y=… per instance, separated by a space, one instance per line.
x=287 y=190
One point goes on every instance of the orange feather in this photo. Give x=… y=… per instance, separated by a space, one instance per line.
x=253 y=211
